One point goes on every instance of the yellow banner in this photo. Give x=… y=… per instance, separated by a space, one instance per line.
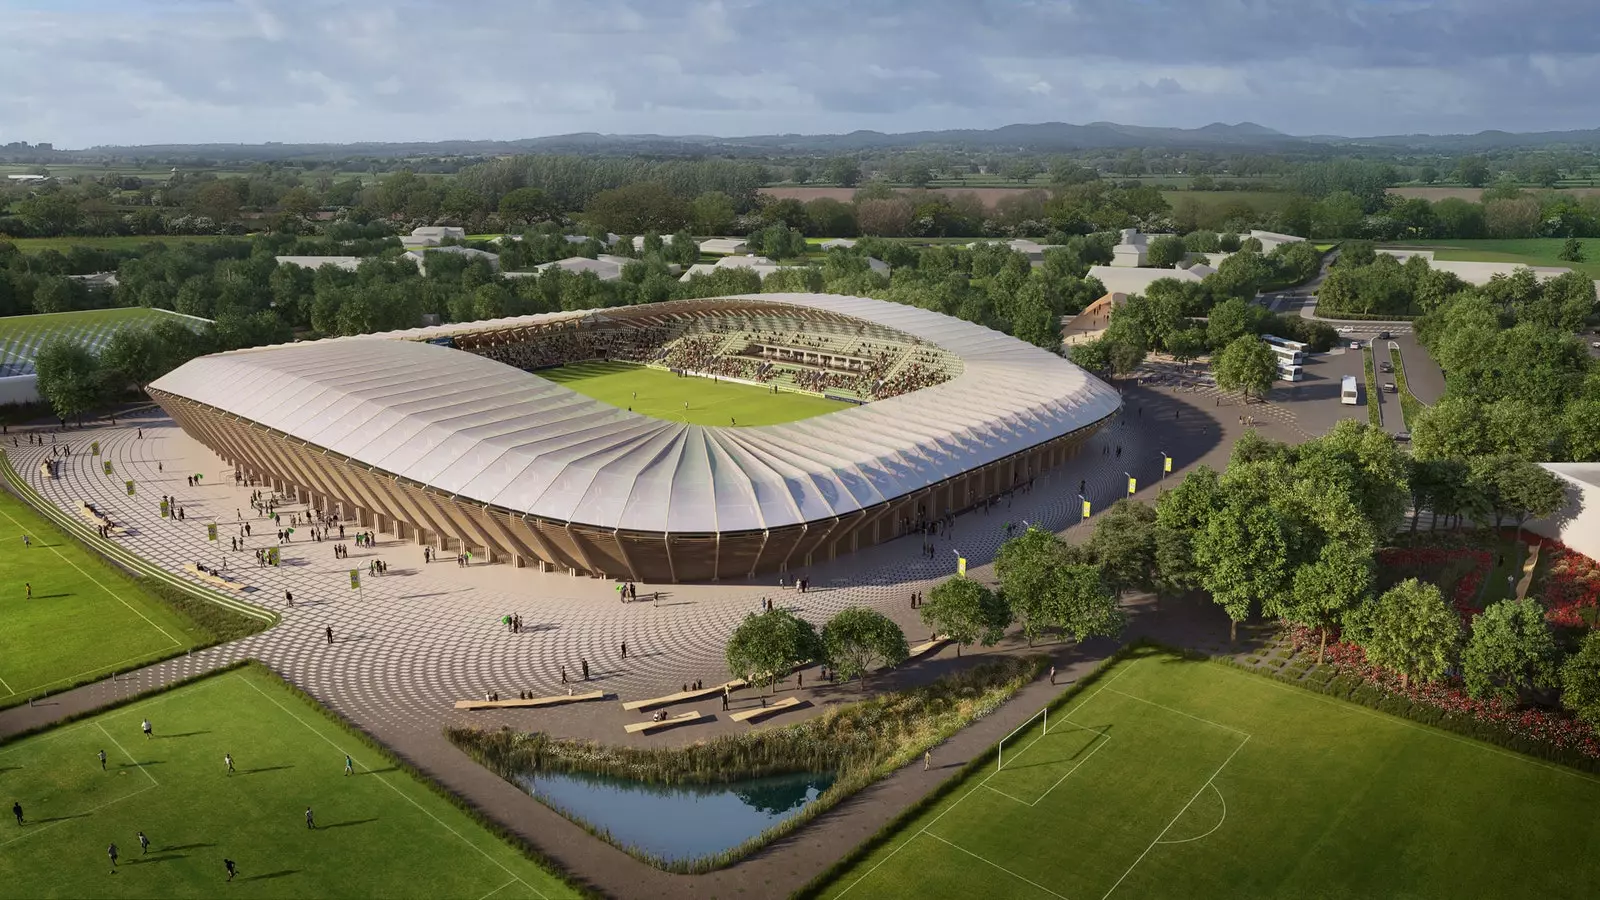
x=1133 y=484
x=1166 y=464
x=1086 y=509
x=961 y=566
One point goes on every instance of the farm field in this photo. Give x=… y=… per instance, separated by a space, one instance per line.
x=22 y=336
x=1438 y=192
x=1174 y=778
x=85 y=618
x=1527 y=251
x=1267 y=201
x=662 y=395
x=380 y=832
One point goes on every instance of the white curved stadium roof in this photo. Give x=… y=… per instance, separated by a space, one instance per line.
x=484 y=431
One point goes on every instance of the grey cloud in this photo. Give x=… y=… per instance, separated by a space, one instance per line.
x=151 y=71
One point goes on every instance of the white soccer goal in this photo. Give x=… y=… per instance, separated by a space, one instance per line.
x=1000 y=757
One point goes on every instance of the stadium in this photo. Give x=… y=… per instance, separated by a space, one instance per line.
x=610 y=442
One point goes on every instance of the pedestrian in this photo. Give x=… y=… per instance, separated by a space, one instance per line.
x=232 y=869
x=145 y=726
x=310 y=822
x=329 y=632
x=111 y=851
x=563 y=674
x=289 y=599
x=227 y=760
x=927 y=759
x=144 y=843
x=16 y=810
x=624 y=649
x=585 y=664
x=349 y=765
x=29 y=586
x=102 y=760
x=1052 y=674
x=27 y=541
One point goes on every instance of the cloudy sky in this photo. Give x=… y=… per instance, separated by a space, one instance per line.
x=86 y=72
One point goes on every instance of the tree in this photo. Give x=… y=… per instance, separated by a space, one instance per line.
x=52 y=294
x=1246 y=365
x=966 y=612
x=1473 y=171
x=1026 y=565
x=1186 y=344
x=1181 y=513
x=844 y=171
x=1511 y=649
x=70 y=379
x=217 y=201
x=1427 y=174
x=1230 y=320
x=1580 y=681
x=526 y=205
x=637 y=208
x=857 y=639
x=1124 y=544
x=1242 y=555
x=1410 y=629
x=1517 y=488
x=767 y=645
x=1165 y=252
x=711 y=213
x=134 y=355
x=1571 y=251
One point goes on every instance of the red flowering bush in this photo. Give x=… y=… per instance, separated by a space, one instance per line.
x=1570 y=589
x=1430 y=563
x=1546 y=726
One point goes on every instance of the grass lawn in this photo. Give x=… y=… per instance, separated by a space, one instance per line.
x=1169 y=778
x=1526 y=251
x=663 y=395
x=380 y=833
x=22 y=336
x=86 y=617
x=114 y=242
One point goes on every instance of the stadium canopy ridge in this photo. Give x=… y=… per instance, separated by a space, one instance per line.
x=421 y=434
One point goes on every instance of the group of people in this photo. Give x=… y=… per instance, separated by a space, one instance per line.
x=558 y=348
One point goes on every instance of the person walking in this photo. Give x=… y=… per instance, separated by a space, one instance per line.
x=1052 y=674
x=329 y=632
x=145 y=727
x=16 y=810
x=585 y=664
x=28 y=585
x=232 y=869
x=102 y=760
x=111 y=851
x=27 y=541
x=927 y=759
x=624 y=649
x=144 y=844
x=349 y=765
x=310 y=822
x=227 y=760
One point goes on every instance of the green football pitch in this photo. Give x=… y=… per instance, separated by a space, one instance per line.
x=380 y=832
x=658 y=393
x=85 y=617
x=1174 y=778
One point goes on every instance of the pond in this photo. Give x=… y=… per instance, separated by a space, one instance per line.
x=677 y=822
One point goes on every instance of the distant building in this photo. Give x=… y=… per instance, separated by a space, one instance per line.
x=1033 y=250
x=835 y=243
x=610 y=240
x=97 y=280
x=420 y=256
x=1124 y=280
x=606 y=267
x=28 y=178
x=347 y=263
x=723 y=246
x=432 y=236
x=1092 y=322
x=1271 y=240
x=1132 y=250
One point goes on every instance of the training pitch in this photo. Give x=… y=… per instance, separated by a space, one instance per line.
x=85 y=618
x=379 y=833
x=1174 y=778
x=662 y=394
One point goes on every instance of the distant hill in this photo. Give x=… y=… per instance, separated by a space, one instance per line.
x=1042 y=137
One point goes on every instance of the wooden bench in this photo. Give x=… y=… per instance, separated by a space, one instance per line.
x=679 y=719
x=685 y=696
x=761 y=712
x=531 y=702
x=88 y=511
x=218 y=580
x=927 y=647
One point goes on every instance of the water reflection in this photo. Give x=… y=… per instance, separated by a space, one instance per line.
x=678 y=822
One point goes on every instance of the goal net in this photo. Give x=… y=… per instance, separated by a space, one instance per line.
x=1018 y=736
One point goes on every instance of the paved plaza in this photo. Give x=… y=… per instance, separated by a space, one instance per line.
x=414 y=641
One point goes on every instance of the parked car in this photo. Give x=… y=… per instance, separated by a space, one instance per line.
x=1389 y=388
x=1385 y=367
x=1383 y=335
x=1355 y=345
x=1595 y=344
x=1404 y=436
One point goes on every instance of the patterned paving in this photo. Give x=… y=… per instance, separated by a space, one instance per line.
x=421 y=637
